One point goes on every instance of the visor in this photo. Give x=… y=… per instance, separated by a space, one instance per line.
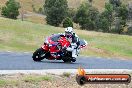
x=69 y=33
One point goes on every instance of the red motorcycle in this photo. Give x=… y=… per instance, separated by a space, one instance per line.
x=54 y=48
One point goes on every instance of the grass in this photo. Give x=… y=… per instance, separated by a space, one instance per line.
x=18 y=80
x=66 y=74
x=16 y=35
x=36 y=79
x=104 y=44
x=23 y=36
x=35 y=18
x=60 y=81
x=4 y=82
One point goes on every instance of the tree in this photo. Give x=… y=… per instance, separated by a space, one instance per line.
x=71 y=13
x=34 y=9
x=0 y=8
x=56 y=11
x=108 y=14
x=92 y=16
x=81 y=13
x=90 y=1
x=41 y=11
x=130 y=11
x=115 y=3
x=118 y=26
x=122 y=12
x=129 y=32
x=86 y=16
x=11 y=10
x=103 y=23
x=67 y=22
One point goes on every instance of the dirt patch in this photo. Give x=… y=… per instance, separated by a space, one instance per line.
x=55 y=81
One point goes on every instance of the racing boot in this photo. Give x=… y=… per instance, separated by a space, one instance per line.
x=74 y=55
x=73 y=59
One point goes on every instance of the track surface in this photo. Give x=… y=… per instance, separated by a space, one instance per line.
x=23 y=61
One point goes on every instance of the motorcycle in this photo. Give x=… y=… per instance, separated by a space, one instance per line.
x=54 y=48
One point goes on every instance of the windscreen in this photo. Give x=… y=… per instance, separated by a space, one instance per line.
x=82 y=42
x=55 y=37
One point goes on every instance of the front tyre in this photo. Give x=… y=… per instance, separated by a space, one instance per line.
x=39 y=55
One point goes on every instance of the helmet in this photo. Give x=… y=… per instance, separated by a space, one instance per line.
x=68 y=31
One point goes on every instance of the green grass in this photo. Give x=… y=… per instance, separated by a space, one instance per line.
x=16 y=35
x=13 y=82
x=4 y=82
x=111 y=45
x=36 y=79
x=23 y=36
x=66 y=74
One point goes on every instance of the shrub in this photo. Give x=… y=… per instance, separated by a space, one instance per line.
x=86 y=16
x=71 y=13
x=129 y=32
x=11 y=10
x=56 y=11
x=67 y=22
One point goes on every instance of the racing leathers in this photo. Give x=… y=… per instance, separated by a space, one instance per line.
x=74 y=47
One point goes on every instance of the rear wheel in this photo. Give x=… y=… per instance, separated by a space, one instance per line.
x=68 y=57
x=39 y=55
x=67 y=61
x=73 y=59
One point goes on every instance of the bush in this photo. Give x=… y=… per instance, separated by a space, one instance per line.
x=67 y=22
x=129 y=32
x=40 y=11
x=86 y=17
x=11 y=9
x=115 y=3
x=33 y=7
x=66 y=74
x=104 y=24
x=71 y=13
x=56 y=11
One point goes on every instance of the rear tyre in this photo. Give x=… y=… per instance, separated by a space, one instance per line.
x=39 y=55
x=67 y=59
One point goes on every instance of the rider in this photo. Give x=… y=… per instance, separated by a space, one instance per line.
x=74 y=40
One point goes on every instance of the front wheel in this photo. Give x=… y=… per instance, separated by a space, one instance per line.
x=39 y=55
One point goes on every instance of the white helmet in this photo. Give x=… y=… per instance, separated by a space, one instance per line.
x=68 y=31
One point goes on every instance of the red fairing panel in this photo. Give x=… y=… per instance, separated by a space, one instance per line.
x=45 y=47
x=64 y=42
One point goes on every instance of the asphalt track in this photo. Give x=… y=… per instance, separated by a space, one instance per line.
x=23 y=61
